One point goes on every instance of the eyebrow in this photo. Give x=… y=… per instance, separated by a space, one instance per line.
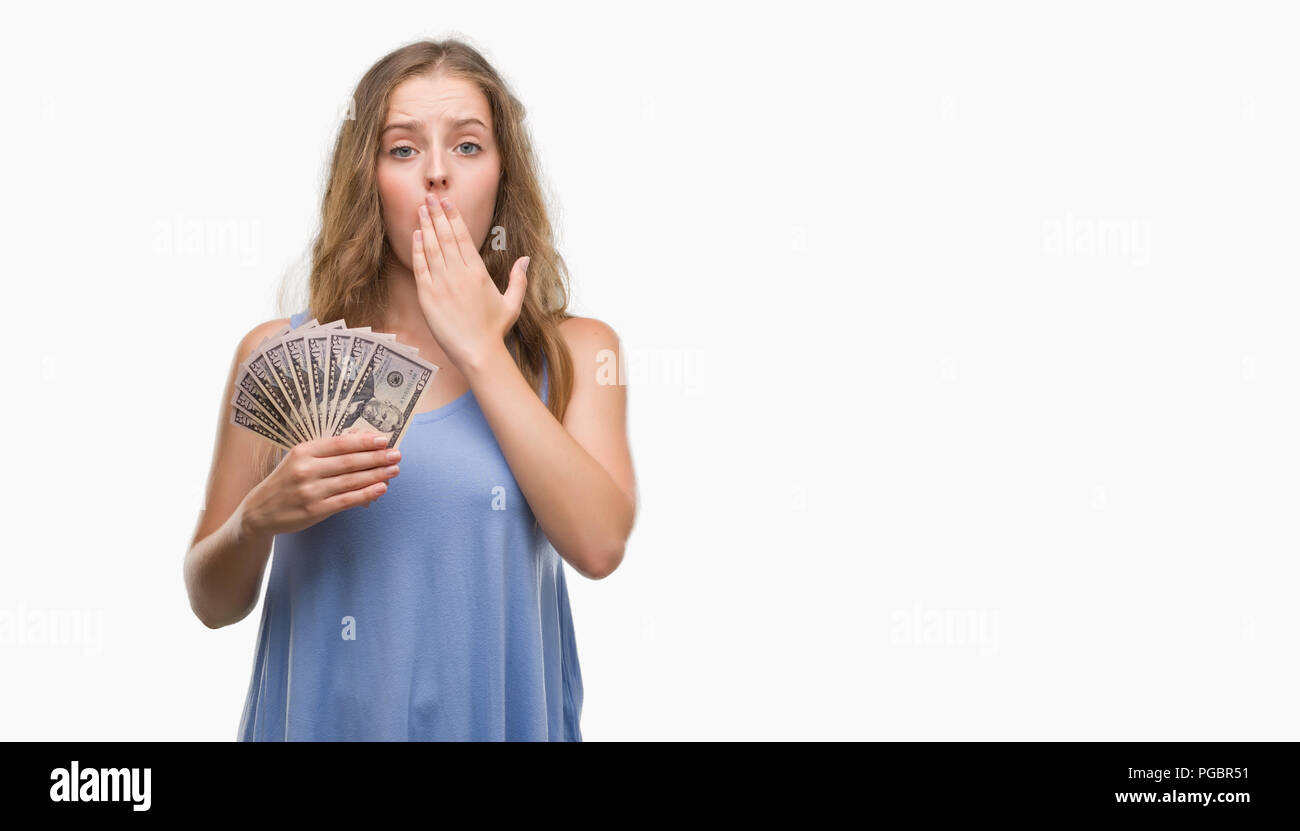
x=415 y=124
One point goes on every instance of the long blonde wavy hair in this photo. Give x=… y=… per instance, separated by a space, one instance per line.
x=351 y=251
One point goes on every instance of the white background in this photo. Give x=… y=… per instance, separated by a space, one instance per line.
x=969 y=394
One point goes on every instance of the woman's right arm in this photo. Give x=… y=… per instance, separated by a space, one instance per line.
x=223 y=572
x=223 y=567
x=243 y=512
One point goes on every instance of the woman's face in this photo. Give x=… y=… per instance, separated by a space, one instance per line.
x=446 y=148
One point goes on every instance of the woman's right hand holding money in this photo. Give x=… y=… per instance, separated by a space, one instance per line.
x=317 y=479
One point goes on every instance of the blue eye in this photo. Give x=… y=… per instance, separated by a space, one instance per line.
x=395 y=154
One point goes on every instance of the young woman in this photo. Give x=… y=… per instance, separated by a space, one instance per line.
x=440 y=611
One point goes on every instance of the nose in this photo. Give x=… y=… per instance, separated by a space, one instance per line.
x=435 y=174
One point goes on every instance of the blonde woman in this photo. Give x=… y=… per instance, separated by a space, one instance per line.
x=441 y=611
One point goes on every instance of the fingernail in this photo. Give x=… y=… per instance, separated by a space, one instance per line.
x=380 y=441
x=527 y=260
x=445 y=203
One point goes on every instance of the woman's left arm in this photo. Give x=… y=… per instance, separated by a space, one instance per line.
x=577 y=476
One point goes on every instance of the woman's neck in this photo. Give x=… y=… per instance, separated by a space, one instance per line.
x=405 y=319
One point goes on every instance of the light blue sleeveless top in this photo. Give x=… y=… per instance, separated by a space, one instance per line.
x=438 y=613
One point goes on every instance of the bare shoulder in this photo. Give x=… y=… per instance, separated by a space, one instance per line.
x=587 y=336
x=257 y=334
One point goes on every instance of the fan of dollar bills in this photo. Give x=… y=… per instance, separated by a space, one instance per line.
x=328 y=380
